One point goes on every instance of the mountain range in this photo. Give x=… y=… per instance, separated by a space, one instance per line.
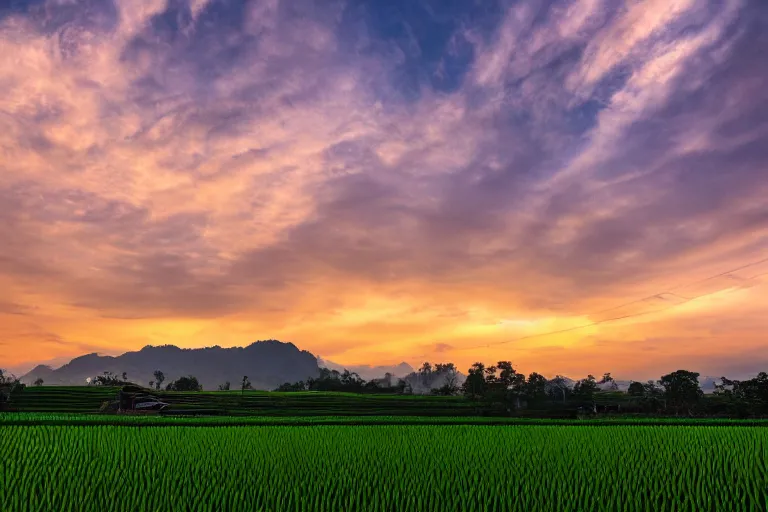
x=266 y=363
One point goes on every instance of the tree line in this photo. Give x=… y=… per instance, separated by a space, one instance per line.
x=10 y=385
x=185 y=383
x=500 y=388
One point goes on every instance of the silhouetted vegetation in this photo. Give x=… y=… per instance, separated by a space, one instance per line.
x=333 y=380
x=681 y=389
x=536 y=389
x=10 y=387
x=442 y=379
x=188 y=383
x=495 y=390
x=159 y=378
x=110 y=379
x=607 y=379
x=246 y=384
x=501 y=390
x=744 y=398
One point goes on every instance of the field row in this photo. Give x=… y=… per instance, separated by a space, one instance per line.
x=384 y=468
x=63 y=419
x=90 y=399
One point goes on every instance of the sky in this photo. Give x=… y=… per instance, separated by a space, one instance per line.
x=578 y=186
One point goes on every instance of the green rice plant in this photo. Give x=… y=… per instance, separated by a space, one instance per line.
x=89 y=399
x=85 y=419
x=383 y=468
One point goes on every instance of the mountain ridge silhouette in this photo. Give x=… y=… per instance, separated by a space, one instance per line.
x=267 y=364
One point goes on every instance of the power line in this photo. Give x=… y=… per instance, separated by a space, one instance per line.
x=764 y=260
x=623 y=317
x=560 y=331
x=669 y=291
x=591 y=324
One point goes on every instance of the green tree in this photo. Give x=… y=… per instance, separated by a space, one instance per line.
x=475 y=383
x=188 y=383
x=10 y=386
x=585 y=388
x=751 y=394
x=636 y=389
x=7 y=378
x=108 y=379
x=607 y=379
x=224 y=387
x=652 y=389
x=511 y=384
x=447 y=372
x=296 y=386
x=389 y=379
x=425 y=373
x=159 y=378
x=490 y=374
x=681 y=388
x=536 y=388
x=39 y=381
x=245 y=384
x=726 y=387
x=508 y=377
x=351 y=381
x=558 y=387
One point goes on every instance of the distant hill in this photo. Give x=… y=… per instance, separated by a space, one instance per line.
x=368 y=372
x=266 y=363
x=40 y=371
x=706 y=383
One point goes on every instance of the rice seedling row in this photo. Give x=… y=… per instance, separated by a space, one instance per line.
x=67 y=419
x=378 y=468
x=89 y=399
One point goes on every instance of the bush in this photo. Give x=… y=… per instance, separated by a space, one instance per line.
x=188 y=383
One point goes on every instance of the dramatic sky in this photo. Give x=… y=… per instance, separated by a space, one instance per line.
x=578 y=186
